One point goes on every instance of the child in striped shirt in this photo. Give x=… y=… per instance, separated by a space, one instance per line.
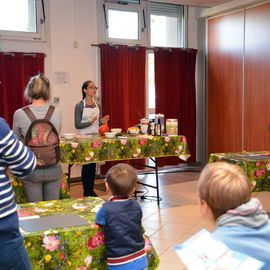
x=20 y=160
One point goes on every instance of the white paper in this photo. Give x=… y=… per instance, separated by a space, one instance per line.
x=203 y=252
x=29 y=217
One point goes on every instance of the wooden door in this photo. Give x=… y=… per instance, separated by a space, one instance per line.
x=257 y=78
x=225 y=82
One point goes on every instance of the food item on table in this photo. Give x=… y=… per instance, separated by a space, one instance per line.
x=103 y=128
x=133 y=130
x=172 y=126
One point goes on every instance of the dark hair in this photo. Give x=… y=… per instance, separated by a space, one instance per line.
x=84 y=86
x=38 y=87
x=121 y=179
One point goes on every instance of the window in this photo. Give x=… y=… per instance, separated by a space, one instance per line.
x=124 y=21
x=118 y=29
x=166 y=25
x=22 y=19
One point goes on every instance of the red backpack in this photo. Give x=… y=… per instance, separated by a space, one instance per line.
x=43 y=139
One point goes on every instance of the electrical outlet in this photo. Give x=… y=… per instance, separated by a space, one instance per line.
x=56 y=100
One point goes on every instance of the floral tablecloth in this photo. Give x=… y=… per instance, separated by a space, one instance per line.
x=97 y=148
x=256 y=164
x=19 y=191
x=77 y=248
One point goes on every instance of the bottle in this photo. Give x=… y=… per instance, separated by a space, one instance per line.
x=160 y=117
x=158 y=128
x=149 y=129
x=153 y=128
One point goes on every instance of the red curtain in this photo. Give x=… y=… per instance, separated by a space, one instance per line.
x=123 y=84
x=15 y=71
x=175 y=94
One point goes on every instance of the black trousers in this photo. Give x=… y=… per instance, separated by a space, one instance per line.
x=88 y=178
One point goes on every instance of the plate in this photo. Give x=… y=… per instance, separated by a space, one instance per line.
x=84 y=136
x=110 y=134
x=68 y=136
x=116 y=130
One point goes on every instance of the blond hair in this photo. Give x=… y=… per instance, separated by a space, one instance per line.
x=223 y=186
x=121 y=179
x=38 y=88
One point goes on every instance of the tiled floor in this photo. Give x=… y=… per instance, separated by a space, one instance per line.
x=178 y=216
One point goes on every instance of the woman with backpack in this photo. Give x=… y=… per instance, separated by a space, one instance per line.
x=41 y=135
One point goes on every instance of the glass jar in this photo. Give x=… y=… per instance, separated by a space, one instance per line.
x=172 y=126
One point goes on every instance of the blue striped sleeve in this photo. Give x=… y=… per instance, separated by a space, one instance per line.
x=19 y=158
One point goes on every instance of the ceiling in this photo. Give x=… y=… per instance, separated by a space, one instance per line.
x=206 y=3
x=201 y=3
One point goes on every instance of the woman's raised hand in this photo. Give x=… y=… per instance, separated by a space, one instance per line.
x=105 y=119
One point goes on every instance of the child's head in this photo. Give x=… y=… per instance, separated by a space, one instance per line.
x=223 y=186
x=121 y=179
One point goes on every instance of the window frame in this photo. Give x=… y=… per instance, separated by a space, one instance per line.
x=129 y=8
x=149 y=110
x=181 y=25
x=39 y=35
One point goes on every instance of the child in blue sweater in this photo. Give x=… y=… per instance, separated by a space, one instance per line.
x=241 y=222
x=121 y=218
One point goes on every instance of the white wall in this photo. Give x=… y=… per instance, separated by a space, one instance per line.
x=73 y=22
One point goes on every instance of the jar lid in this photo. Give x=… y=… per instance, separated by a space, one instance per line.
x=172 y=120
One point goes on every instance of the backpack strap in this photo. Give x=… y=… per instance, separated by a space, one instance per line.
x=29 y=113
x=49 y=113
x=32 y=117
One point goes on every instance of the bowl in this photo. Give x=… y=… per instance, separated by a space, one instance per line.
x=68 y=136
x=116 y=130
x=110 y=134
x=133 y=130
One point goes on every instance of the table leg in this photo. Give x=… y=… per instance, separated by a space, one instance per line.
x=158 y=198
x=157 y=184
x=69 y=175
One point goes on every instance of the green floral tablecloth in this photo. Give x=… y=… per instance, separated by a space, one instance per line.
x=77 y=248
x=19 y=191
x=94 y=149
x=97 y=148
x=256 y=164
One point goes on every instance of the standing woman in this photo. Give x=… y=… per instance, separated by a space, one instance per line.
x=87 y=118
x=42 y=184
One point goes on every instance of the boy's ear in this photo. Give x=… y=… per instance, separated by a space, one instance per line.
x=204 y=207
x=206 y=211
x=134 y=189
x=107 y=187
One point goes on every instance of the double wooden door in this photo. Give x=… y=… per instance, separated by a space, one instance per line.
x=239 y=81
